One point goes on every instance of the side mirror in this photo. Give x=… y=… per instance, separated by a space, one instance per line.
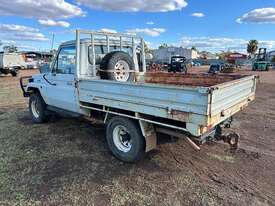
x=45 y=68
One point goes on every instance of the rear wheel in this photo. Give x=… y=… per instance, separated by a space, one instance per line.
x=118 y=66
x=14 y=73
x=37 y=108
x=125 y=139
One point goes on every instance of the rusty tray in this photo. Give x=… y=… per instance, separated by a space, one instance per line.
x=202 y=80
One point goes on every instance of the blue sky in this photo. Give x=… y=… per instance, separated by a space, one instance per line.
x=212 y=25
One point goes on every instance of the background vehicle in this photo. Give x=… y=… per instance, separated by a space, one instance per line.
x=105 y=77
x=215 y=68
x=35 y=59
x=223 y=68
x=195 y=64
x=10 y=63
x=261 y=63
x=177 y=64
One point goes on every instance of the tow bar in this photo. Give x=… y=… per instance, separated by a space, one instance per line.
x=232 y=139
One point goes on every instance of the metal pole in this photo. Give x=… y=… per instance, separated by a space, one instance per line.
x=77 y=54
x=133 y=45
x=53 y=35
x=108 y=44
x=93 y=50
x=120 y=39
x=135 y=55
x=143 y=55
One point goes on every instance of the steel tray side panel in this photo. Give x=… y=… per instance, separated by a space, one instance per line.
x=232 y=94
x=144 y=98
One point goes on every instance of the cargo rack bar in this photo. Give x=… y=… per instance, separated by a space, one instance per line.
x=107 y=36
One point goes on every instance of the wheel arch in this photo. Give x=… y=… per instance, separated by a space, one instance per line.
x=32 y=90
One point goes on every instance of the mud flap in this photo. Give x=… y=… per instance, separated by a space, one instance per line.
x=149 y=134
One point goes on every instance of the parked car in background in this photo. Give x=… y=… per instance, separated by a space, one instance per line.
x=10 y=63
x=195 y=64
x=215 y=68
x=35 y=59
x=177 y=64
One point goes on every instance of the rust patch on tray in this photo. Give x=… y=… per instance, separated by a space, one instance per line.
x=201 y=80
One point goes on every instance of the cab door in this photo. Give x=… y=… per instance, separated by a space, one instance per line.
x=60 y=90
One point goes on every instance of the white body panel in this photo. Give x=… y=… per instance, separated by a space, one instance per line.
x=10 y=60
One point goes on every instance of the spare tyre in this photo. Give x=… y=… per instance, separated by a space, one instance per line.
x=118 y=66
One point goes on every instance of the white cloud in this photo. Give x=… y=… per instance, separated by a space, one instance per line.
x=26 y=47
x=49 y=22
x=21 y=33
x=136 y=5
x=43 y=9
x=108 y=30
x=199 y=15
x=222 y=44
x=16 y=28
x=29 y=36
x=264 y=15
x=154 y=32
x=6 y=42
x=150 y=23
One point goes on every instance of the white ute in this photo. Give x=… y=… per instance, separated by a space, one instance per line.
x=104 y=77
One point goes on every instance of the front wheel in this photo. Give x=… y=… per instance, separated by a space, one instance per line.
x=37 y=108
x=125 y=139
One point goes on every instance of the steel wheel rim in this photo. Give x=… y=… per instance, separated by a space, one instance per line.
x=34 y=109
x=122 y=71
x=122 y=139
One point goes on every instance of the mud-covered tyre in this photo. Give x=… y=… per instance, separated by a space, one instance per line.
x=37 y=108
x=118 y=66
x=14 y=73
x=125 y=139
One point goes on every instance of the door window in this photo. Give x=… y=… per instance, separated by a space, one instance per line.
x=66 y=61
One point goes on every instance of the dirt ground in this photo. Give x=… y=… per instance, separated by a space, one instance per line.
x=67 y=162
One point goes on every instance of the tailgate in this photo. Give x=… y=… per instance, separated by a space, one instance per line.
x=229 y=98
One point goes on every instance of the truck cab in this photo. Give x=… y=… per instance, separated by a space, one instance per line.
x=59 y=77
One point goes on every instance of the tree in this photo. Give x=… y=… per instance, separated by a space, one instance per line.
x=147 y=49
x=162 y=46
x=10 y=49
x=252 y=47
x=222 y=55
x=194 y=48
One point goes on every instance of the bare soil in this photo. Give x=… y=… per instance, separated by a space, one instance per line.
x=67 y=162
